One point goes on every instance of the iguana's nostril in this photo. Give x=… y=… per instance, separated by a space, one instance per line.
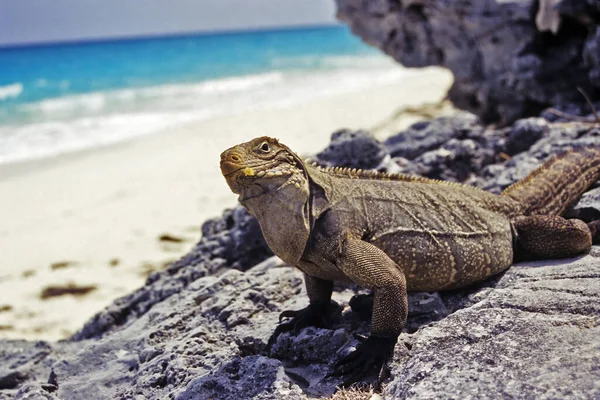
x=231 y=156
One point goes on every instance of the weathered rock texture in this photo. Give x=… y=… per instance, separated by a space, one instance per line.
x=198 y=329
x=504 y=67
x=533 y=335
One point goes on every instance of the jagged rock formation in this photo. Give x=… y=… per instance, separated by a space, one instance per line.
x=504 y=67
x=198 y=329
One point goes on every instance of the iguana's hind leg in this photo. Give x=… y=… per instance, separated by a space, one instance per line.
x=370 y=267
x=545 y=236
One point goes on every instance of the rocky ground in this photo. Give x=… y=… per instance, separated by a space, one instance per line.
x=198 y=329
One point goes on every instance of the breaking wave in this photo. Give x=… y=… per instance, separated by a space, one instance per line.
x=10 y=91
x=75 y=122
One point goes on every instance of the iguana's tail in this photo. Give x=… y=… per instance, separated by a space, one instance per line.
x=551 y=188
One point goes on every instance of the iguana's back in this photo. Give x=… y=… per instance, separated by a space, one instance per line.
x=442 y=235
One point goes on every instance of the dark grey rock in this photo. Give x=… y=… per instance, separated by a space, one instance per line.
x=245 y=377
x=352 y=149
x=26 y=368
x=455 y=161
x=558 y=139
x=517 y=340
x=588 y=207
x=429 y=135
x=19 y=361
x=503 y=67
x=34 y=392
x=190 y=342
x=497 y=177
x=580 y=9
x=570 y=112
x=525 y=133
x=591 y=57
x=11 y=378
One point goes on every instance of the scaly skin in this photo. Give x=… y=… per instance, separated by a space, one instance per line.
x=396 y=233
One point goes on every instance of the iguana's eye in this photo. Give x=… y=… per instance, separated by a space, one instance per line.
x=264 y=147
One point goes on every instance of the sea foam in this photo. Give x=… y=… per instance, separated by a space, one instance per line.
x=157 y=97
x=76 y=122
x=10 y=91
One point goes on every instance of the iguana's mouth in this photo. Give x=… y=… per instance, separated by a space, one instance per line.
x=233 y=161
x=229 y=168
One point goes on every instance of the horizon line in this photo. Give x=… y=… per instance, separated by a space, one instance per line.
x=169 y=35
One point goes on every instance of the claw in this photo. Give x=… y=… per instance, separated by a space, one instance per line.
x=348 y=359
x=288 y=314
x=355 y=378
x=370 y=356
x=360 y=337
x=313 y=315
x=278 y=331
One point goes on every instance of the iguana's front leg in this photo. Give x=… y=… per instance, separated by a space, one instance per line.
x=317 y=313
x=370 y=267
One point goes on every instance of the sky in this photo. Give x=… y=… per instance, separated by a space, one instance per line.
x=40 y=21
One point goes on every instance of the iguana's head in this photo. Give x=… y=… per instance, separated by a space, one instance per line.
x=260 y=166
x=273 y=186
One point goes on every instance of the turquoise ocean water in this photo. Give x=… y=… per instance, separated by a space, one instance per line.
x=67 y=97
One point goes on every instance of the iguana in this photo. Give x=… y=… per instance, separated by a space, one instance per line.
x=394 y=233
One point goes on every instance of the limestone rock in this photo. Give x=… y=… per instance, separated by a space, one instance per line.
x=352 y=149
x=504 y=67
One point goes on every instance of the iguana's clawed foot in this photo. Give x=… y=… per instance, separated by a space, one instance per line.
x=313 y=315
x=371 y=356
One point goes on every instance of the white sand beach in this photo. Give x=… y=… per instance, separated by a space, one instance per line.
x=93 y=219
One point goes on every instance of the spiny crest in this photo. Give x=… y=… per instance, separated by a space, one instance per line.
x=354 y=173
